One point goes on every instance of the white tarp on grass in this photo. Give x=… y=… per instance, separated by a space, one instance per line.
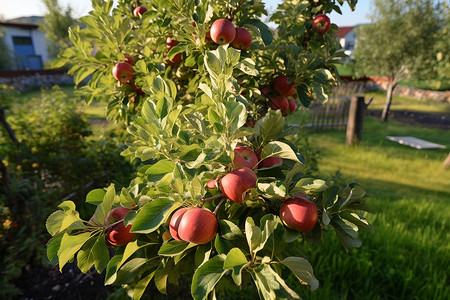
x=415 y=142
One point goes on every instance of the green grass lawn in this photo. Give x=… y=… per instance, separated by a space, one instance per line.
x=408 y=257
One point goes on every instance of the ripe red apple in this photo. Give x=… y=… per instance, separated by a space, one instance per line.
x=170 y=43
x=283 y=87
x=234 y=184
x=244 y=157
x=118 y=234
x=222 y=31
x=139 y=11
x=279 y=102
x=243 y=39
x=299 y=214
x=175 y=60
x=268 y=162
x=198 y=226
x=292 y=105
x=264 y=90
x=175 y=222
x=123 y=72
x=211 y=184
x=129 y=59
x=321 y=24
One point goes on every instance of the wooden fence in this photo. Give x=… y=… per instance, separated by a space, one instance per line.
x=333 y=114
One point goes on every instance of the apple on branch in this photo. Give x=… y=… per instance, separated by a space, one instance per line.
x=268 y=162
x=243 y=39
x=234 y=184
x=279 y=102
x=222 y=31
x=283 y=87
x=195 y=225
x=118 y=234
x=244 y=157
x=321 y=24
x=139 y=11
x=123 y=72
x=299 y=213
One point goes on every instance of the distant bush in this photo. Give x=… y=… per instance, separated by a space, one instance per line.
x=53 y=158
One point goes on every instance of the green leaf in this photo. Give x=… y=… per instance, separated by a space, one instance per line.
x=229 y=230
x=157 y=171
x=152 y=215
x=270 y=126
x=310 y=185
x=53 y=246
x=95 y=196
x=222 y=245
x=235 y=261
x=253 y=234
x=279 y=149
x=303 y=270
x=70 y=244
x=132 y=269
x=119 y=260
x=106 y=205
x=207 y=276
x=356 y=219
x=248 y=66
x=346 y=232
x=270 y=285
x=140 y=287
x=264 y=30
x=174 y=248
x=202 y=254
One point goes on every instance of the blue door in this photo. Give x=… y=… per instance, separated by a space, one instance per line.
x=27 y=59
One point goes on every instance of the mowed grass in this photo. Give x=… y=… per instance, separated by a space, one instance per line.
x=408 y=257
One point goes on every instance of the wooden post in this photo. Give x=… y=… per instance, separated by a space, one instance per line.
x=447 y=161
x=355 y=120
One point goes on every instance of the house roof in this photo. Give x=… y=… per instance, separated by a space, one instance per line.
x=343 y=31
x=19 y=25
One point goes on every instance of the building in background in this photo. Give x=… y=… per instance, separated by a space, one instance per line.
x=27 y=44
x=347 y=38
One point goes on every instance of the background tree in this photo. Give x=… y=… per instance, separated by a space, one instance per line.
x=400 y=43
x=5 y=58
x=56 y=23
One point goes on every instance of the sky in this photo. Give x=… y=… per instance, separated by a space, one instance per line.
x=10 y=9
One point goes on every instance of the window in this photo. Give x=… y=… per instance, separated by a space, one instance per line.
x=22 y=40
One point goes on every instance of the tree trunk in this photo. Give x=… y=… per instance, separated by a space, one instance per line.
x=387 y=105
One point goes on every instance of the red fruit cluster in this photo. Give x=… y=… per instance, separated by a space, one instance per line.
x=299 y=213
x=194 y=225
x=118 y=234
x=223 y=32
x=170 y=43
x=282 y=97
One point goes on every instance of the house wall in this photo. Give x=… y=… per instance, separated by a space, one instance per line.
x=39 y=42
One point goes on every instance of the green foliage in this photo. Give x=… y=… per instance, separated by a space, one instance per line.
x=184 y=121
x=51 y=159
x=6 y=57
x=55 y=25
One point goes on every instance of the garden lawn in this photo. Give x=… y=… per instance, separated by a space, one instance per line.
x=408 y=257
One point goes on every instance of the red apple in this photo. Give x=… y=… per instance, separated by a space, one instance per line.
x=299 y=214
x=175 y=222
x=170 y=43
x=234 y=184
x=292 y=105
x=175 y=60
x=139 y=11
x=129 y=59
x=264 y=90
x=244 y=157
x=321 y=24
x=279 y=102
x=283 y=87
x=123 y=72
x=222 y=31
x=118 y=234
x=208 y=38
x=211 y=184
x=269 y=162
x=198 y=226
x=243 y=39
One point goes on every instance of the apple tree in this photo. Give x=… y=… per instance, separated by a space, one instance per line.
x=204 y=88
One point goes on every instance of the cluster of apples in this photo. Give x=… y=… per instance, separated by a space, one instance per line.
x=117 y=234
x=281 y=95
x=222 y=32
